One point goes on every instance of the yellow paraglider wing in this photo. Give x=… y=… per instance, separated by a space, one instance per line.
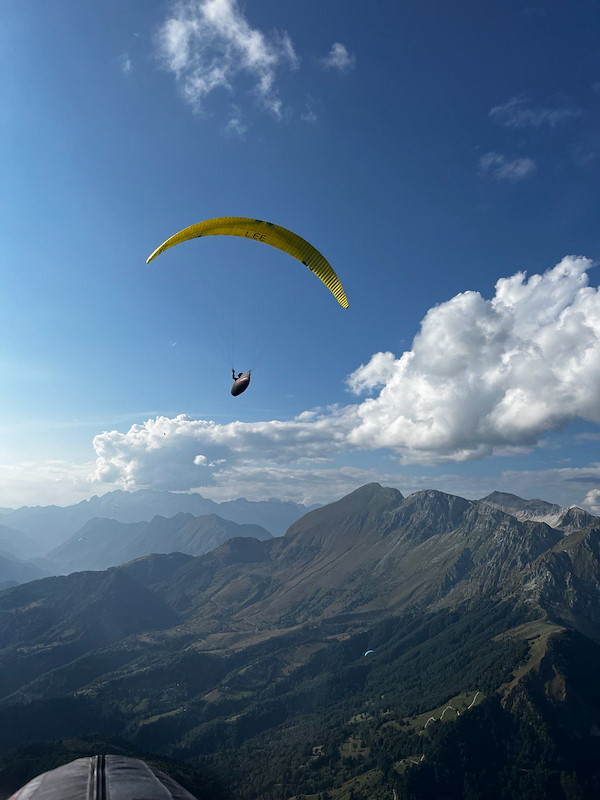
x=266 y=232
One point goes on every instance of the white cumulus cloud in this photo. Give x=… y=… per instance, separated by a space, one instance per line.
x=379 y=370
x=207 y=44
x=592 y=500
x=163 y=451
x=483 y=375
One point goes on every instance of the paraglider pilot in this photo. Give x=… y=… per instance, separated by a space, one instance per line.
x=241 y=383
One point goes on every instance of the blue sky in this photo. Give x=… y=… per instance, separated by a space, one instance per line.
x=429 y=150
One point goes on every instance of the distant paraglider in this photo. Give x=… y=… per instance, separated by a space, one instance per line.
x=369 y=652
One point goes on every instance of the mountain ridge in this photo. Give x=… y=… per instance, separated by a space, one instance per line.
x=567 y=519
x=51 y=525
x=103 y=543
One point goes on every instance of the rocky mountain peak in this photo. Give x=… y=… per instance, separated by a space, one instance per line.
x=429 y=512
x=368 y=501
x=371 y=494
x=575 y=519
x=564 y=519
x=512 y=504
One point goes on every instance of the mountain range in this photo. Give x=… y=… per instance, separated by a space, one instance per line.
x=14 y=571
x=51 y=526
x=103 y=543
x=419 y=646
x=18 y=563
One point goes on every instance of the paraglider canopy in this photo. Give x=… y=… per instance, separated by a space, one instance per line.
x=268 y=233
x=368 y=652
x=126 y=778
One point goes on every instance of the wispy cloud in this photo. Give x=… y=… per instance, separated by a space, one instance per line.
x=300 y=484
x=582 y=156
x=588 y=437
x=518 y=112
x=498 y=166
x=309 y=114
x=339 y=58
x=207 y=44
x=322 y=485
x=236 y=126
x=126 y=64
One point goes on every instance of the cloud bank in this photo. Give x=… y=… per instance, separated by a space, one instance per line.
x=482 y=377
x=64 y=483
x=207 y=44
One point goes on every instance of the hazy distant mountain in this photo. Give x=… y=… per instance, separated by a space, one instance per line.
x=18 y=544
x=274 y=515
x=14 y=571
x=252 y=656
x=53 y=525
x=103 y=543
x=565 y=519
